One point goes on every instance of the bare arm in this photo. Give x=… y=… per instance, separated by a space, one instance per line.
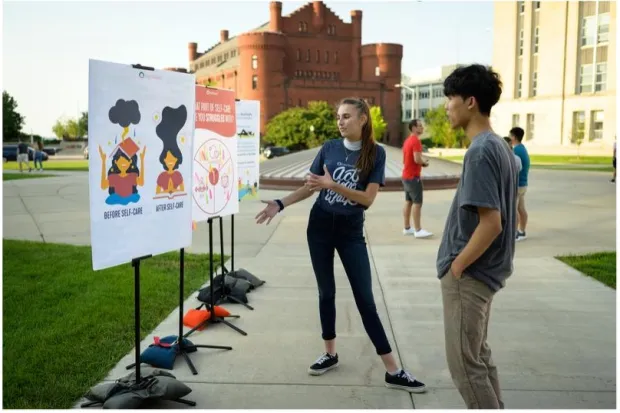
x=489 y=227
x=365 y=198
x=417 y=157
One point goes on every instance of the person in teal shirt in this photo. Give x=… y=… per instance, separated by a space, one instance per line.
x=516 y=136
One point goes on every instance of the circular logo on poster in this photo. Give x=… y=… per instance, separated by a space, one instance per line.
x=141 y=74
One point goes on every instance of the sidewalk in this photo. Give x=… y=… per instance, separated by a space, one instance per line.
x=552 y=330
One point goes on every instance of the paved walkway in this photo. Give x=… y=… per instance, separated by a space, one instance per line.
x=552 y=330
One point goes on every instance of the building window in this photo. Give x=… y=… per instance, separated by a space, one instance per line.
x=521 y=40
x=601 y=77
x=579 y=127
x=536 y=5
x=603 y=28
x=408 y=114
x=529 y=134
x=534 y=83
x=521 y=5
x=318 y=56
x=408 y=96
x=254 y=62
x=335 y=57
x=536 y=31
x=596 y=129
x=326 y=57
x=308 y=55
x=303 y=27
x=254 y=82
x=515 y=120
x=585 y=78
x=331 y=30
x=299 y=55
x=588 y=30
x=519 y=85
x=377 y=71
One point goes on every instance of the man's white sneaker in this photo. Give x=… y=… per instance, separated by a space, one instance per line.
x=409 y=231
x=422 y=233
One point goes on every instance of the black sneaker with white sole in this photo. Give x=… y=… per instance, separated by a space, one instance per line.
x=404 y=381
x=323 y=364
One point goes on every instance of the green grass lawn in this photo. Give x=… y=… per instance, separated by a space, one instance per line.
x=66 y=326
x=77 y=165
x=556 y=159
x=16 y=177
x=600 y=266
x=575 y=168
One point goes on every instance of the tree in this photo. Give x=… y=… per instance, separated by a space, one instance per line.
x=577 y=137
x=302 y=128
x=12 y=121
x=71 y=129
x=442 y=134
x=59 y=129
x=83 y=124
x=378 y=123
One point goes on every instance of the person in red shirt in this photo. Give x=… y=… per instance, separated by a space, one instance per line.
x=412 y=182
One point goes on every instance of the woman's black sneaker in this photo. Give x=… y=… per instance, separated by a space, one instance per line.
x=404 y=381
x=323 y=364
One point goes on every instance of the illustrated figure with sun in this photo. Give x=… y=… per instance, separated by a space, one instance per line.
x=124 y=176
x=170 y=181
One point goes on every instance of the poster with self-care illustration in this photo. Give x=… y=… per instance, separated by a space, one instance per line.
x=214 y=181
x=140 y=134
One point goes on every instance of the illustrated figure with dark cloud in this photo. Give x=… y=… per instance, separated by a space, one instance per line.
x=171 y=180
x=124 y=176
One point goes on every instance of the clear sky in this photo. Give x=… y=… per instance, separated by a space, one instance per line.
x=46 y=45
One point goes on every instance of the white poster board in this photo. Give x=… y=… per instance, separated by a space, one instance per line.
x=140 y=129
x=214 y=178
x=248 y=148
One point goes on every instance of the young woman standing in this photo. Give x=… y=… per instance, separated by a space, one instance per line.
x=348 y=173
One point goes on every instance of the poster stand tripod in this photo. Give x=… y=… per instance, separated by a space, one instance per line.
x=224 y=297
x=183 y=348
x=213 y=318
x=140 y=383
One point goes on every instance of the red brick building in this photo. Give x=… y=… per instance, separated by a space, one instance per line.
x=311 y=54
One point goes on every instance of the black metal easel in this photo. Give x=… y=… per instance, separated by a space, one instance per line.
x=225 y=296
x=182 y=348
x=140 y=383
x=211 y=305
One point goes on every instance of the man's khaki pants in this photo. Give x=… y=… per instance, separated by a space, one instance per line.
x=466 y=310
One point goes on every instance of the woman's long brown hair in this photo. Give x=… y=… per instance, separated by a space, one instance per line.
x=366 y=161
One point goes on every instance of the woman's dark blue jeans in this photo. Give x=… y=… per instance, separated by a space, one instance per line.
x=329 y=232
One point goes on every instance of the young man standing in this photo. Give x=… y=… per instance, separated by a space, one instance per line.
x=412 y=181
x=516 y=134
x=22 y=155
x=477 y=248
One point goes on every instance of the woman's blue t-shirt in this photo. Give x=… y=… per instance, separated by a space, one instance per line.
x=340 y=163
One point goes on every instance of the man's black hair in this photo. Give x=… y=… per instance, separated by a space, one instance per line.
x=507 y=139
x=413 y=123
x=518 y=133
x=475 y=80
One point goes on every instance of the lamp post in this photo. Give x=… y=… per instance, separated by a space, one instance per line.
x=413 y=97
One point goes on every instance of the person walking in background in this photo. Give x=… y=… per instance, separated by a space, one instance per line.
x=38 y=156
x=347 y=173
x=412 y=181
x=22 y=155
x=613 y=162
x=517 y=159
x=478 y=244
x=516 y=135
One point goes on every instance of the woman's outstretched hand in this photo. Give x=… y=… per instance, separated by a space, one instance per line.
x=267 y=214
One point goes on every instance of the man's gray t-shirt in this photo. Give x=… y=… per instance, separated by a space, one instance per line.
x=488 y=179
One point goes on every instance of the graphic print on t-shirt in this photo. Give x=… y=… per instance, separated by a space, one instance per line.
x=347 y=176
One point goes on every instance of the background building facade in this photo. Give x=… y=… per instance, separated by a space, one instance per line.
x=311 y=54
x=557 y=61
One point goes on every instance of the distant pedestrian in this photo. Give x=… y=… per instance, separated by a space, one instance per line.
x=412 y=181
x=22 y=155
x=516 y=135
x=477 y=248
x=613 y=162
x=517 y=159
x=347 y=172
x=38 y=156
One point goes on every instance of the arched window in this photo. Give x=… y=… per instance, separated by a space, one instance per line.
x=254 y=62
